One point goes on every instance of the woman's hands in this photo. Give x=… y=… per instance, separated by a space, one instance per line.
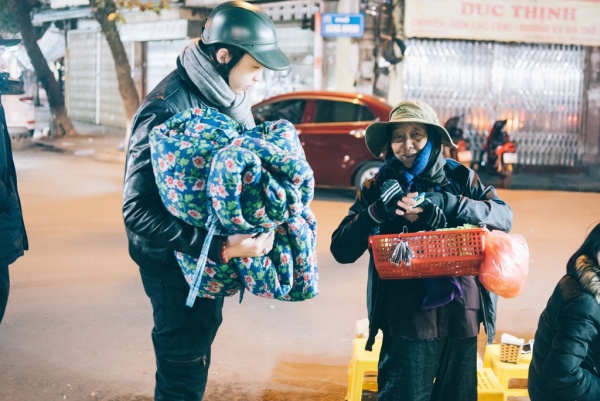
x=392 y=202
x=429 y=214
x=249 y=245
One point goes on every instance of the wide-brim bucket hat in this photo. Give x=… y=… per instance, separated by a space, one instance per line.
x=410 y=111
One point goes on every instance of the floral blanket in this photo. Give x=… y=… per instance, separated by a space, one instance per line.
x=213 y=173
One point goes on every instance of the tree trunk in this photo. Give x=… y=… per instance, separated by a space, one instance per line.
x=62 y=124
x=131 y=99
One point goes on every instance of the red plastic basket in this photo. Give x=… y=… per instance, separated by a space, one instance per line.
x=436 y=253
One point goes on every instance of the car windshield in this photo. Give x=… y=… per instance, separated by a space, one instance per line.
x=330 y=111
x=290 y=110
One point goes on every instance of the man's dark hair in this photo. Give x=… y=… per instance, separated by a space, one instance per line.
x=224 y=69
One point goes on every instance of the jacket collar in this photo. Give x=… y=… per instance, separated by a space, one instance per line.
x=588 y=274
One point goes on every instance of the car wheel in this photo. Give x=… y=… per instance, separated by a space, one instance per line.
x=366 y=171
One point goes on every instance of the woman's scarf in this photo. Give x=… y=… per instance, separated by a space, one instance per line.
x=211 y=84
x=428 y=168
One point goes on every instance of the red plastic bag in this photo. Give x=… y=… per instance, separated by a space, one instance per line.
x=505 y=264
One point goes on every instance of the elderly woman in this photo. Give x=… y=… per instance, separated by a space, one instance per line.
x=429 y=325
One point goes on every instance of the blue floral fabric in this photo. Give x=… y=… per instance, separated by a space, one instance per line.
x=213 y=173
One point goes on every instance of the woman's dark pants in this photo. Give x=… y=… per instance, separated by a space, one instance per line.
x=182 y=337
x=433 y=370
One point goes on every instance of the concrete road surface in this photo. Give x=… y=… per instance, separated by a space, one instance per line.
x=78 y=323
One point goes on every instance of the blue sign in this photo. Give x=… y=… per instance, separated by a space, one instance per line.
x=349 y=25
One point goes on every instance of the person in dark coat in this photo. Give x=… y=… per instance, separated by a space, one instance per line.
x=13 y=243
x=430 y=326
x=216 y=71
x=498 y=136
x=565 y=365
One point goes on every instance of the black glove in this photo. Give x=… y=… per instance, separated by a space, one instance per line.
x=385 y=207
x=436 y=198
x=432 y=217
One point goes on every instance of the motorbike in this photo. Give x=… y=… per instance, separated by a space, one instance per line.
x=499 y=155
x=462 y=153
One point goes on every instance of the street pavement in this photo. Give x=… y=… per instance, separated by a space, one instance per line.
x=78 y=323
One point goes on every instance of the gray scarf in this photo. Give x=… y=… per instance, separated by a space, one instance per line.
x=205 y=76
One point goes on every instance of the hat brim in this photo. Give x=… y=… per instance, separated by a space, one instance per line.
x=272 y=59
x=376 y=136
x=9 y=42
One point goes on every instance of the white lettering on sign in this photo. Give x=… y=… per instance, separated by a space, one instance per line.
x=341 y=20
x=351 y=25
x=531 y=21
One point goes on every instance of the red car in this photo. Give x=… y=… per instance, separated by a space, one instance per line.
x=331 y=128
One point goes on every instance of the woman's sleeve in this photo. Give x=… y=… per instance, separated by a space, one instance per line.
x=476 y=203
x=577 y=330
x=350 y=240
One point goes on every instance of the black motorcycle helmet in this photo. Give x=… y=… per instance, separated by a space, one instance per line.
x=499 y=126
x=248 y=27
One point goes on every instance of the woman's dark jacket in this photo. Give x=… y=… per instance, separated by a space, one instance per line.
x=13 y=238
x=153 y=232
x=566 y=353
x=467 y=202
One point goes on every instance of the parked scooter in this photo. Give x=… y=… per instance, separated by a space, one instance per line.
x=462 y=153
x=499 y=153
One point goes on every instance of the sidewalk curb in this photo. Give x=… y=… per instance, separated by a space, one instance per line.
x=105 y=148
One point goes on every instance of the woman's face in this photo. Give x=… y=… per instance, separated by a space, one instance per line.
x=408 y=139
x=245 y=74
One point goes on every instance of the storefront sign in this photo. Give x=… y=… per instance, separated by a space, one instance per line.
x=532 y=21
x=348 y=25
x=154 y=30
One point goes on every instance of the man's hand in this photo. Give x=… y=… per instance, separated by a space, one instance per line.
x=249 y=245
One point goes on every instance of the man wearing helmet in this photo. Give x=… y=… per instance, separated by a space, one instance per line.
x=216 y=70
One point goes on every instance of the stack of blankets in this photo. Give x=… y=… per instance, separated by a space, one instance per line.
x=214 y=173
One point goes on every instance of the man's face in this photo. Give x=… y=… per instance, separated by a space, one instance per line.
x=245 y=74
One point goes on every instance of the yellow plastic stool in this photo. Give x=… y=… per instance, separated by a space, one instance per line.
x=362 y=362
x=488 y=386
x=506 y=371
